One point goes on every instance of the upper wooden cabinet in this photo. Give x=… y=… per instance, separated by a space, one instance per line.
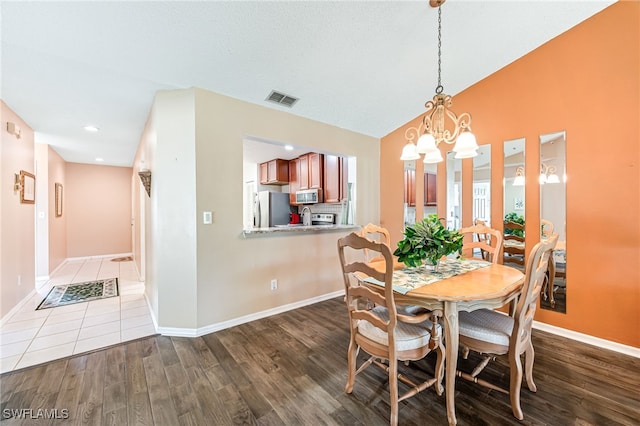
x=274 y=172
x=311 y=170
x=303 y=175
x=335 y=178
x=294 y=179
x=410 y=187
x=430 y=189
x=316 y=170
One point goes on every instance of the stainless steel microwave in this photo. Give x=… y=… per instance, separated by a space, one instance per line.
x=308 y=196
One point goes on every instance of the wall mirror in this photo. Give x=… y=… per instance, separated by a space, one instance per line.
x=514 y=203
x=454 y=191
x=409 y=192
x=482 y=185
x=553 y=208
x=430 y=189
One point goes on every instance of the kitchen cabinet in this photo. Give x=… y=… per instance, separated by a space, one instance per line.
x=335 y=178
x=311 y=170
x=274 y=172
x=294 y=179
x=316 y=170
x=303 y=175
x=306 y=172
x=430 y=189
x=410 y=187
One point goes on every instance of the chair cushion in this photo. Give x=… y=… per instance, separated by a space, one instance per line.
x=486 y=325
x=408 y=336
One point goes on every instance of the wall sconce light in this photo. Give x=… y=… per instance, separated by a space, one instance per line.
x=12 y=129
x=145 y=178
x=17 y=182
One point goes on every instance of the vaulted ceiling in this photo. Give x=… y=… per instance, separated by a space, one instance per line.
x=364 y=66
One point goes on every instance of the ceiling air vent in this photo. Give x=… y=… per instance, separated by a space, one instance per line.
x=282 y=99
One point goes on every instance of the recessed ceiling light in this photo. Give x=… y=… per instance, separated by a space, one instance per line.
x=99 y=159
x=288 y=148
x=91 y=128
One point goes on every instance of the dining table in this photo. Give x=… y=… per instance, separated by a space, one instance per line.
x=457 y=285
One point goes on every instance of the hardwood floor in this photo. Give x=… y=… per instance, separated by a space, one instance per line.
x=290 y=369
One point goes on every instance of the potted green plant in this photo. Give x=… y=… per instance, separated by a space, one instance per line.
x=515 y=218
x=427 y=240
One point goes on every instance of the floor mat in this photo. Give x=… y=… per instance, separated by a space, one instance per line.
x=68 y=294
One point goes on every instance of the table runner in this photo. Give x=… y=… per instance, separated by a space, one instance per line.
x=405 y=280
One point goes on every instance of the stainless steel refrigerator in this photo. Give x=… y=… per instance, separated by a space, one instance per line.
x=271 y=209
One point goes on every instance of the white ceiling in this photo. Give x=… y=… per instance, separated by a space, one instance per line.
x=364 y=66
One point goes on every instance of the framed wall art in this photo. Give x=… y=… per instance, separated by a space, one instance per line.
x=58 y=187
x=27 y=187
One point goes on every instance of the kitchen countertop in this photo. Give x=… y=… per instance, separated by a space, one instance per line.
x=297 y=229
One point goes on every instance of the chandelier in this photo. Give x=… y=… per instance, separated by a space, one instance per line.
x=519 y=179
x=548 y=174
x=432 y=131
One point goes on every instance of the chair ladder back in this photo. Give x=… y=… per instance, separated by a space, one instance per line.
x=534 y=277
x=375 y=233
x=480 y=236
x=362 y=270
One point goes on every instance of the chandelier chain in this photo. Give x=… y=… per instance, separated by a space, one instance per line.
x=439 y=89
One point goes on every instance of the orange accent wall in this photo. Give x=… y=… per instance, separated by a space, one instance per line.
x=97 y=202
x=587 y=82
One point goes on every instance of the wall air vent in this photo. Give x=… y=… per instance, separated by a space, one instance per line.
x=281 y=98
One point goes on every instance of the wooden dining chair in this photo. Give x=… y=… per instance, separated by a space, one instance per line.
x=513 y=243
x=493 y=333
x=479 y=237
x=378 y=234
x=382 y=332
x=546 y=228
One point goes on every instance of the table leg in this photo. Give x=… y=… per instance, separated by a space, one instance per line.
x=451 y=360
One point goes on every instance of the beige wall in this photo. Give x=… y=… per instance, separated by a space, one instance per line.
x=201 y=274
x=17 y=228
x=57 y=225
x=97 y=206
x=41 y=155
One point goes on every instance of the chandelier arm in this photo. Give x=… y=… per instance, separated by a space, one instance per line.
x=412 y=134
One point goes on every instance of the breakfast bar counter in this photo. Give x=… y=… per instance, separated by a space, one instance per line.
x=297 y=229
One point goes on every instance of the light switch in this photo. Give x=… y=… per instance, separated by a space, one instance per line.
x=207 y=218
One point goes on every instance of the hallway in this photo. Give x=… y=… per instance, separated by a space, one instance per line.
x=31 y=337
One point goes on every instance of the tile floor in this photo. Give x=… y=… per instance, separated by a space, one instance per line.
x=31 y=337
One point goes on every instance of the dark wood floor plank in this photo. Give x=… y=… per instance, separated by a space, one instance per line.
x=138 y=404
x=89 y=410
x=290 y=369
x=115 y=398
x=162 y=408
x=115 y=365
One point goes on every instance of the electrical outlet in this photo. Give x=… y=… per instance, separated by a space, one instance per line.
x=207 y=218
x=274 y=284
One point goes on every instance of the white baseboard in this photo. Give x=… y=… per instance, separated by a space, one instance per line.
x=585 y=338
x=17 y=307
x=100 y=256
x=191 y=332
